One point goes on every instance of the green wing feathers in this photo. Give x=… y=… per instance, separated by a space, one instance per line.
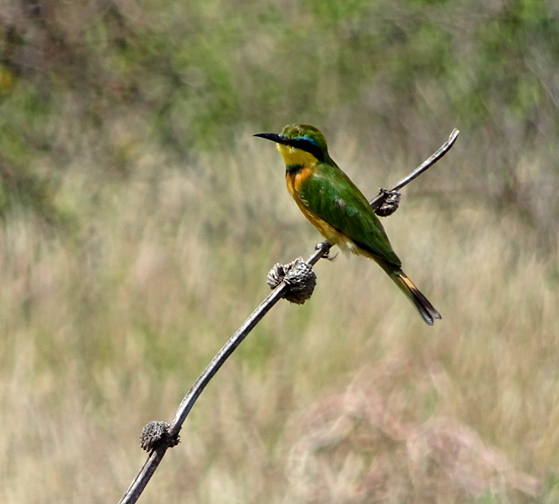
x=330 y=194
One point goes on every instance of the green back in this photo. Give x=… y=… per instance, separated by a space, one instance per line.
x=331 y=195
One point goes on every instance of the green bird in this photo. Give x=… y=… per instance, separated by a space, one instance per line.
x=337 y=208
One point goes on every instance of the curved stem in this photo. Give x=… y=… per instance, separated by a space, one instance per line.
x=137 y=486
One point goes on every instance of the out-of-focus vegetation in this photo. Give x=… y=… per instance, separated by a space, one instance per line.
x=139 y=219
x=100 y=80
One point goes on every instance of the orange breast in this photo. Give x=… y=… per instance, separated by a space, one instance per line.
x=294 y=182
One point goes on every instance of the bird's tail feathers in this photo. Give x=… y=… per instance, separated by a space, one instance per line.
x=424 y=307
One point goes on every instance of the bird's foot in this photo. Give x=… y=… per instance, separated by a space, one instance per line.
x=325 y=246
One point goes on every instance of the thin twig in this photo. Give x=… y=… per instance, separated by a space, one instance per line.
x=139 y=483
x=155 y=457
x=444 y=148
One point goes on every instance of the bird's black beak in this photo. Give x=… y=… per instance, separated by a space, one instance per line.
x=274 y=137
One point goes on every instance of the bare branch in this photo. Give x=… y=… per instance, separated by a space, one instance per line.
x=138 y=485
x=377 y=200
x=156 y=455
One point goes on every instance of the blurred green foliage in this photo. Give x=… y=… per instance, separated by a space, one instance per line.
x=105 y=79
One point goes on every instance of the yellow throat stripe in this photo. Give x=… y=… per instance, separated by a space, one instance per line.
x=294 y=156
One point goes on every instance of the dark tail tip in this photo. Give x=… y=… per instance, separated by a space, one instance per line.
x=425 y=308
x=423 y=305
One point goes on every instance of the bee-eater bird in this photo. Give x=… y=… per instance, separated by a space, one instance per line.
x=337 y=208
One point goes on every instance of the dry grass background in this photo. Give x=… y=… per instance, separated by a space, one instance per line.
x=139 y=218
x=349 y=398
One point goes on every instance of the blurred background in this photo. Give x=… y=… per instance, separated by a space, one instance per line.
x=139 y=218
